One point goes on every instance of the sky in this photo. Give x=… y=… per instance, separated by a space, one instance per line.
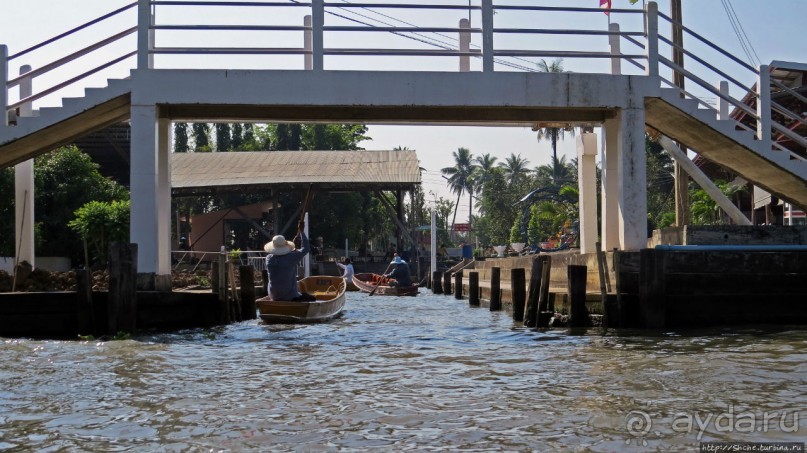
x=771 y=27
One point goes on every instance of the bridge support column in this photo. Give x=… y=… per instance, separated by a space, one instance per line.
x=24 y=189
x=632 y=180
x=151 y=196
x=587 y=180
x=609 y=198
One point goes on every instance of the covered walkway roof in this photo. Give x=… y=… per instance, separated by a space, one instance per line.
x=205 y=173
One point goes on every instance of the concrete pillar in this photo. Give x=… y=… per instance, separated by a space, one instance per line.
x=633 y=180
x=24 y=189
x=609 y=162
x=164 y=142
x=3 y=83
x=145 y=189
x=587 y=183
x=465 y=45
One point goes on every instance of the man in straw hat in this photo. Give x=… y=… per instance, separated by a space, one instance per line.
x=400 y=273
x=281 y=263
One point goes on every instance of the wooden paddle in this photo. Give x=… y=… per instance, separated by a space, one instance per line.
x=301 y=222
x=380 y=280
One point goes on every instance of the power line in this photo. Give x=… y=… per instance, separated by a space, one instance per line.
x=739 y=31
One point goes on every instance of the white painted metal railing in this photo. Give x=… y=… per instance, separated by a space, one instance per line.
x=335 y=30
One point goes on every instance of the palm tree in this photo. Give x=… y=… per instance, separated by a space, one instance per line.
x=553 y=134
x=559 y=172
x=515 y=167
x=460 y=178
x=485 y=165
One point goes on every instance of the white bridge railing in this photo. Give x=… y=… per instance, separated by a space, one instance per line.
x=389 y=35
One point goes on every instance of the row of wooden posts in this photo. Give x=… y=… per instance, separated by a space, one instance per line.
x=530 y=305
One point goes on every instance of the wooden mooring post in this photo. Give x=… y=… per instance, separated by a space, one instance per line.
x=577 y=295
x=458 y=284
x=531 y=316
x=122 y=304
x=473 y=289
x=518 y=291
x=544 y=315
x=495 y=289
x=437 y=282
x=447 y=283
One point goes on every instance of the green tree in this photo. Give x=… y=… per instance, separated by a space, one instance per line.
x=486 y=165
x=553 y=134
x=7 y=213
x=514 y=168
x=201 y=137
x=460 y=178
x=65 y=180
x=223 y=137
x=660 y=186
x=237 y=135
x=181 y=138
x=99 y=223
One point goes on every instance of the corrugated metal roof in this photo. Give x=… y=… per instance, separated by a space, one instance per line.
x=327 y=170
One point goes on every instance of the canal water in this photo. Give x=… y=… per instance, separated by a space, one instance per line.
x=404 y=374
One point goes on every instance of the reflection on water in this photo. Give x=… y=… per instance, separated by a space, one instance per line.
x=424 y=373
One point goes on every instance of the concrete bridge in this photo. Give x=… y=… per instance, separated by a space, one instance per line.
x=623 y=103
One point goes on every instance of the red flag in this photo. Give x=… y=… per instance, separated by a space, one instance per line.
x=606 y=4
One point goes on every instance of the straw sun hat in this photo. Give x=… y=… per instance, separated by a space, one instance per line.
x=279 y=246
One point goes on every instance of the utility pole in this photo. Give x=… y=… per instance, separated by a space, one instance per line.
x=681 y=177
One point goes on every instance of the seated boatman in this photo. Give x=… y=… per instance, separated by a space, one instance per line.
x=281 y=264
x=400 y=273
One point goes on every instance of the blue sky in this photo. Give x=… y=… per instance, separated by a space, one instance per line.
x=772 y=27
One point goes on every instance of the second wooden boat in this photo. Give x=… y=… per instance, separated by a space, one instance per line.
x=330 y=294
x=367 y=282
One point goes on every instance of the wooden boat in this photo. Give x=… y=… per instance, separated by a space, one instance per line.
x=350 y=286
x=367 y=282
x=330 y=294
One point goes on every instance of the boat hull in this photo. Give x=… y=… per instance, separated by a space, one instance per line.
x=369 y=283
x=330 y=294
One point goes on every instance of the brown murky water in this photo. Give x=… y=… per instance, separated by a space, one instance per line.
x=409 y=374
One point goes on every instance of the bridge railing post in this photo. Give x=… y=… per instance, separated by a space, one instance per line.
x=651 y=47
x=487 y=35
x=616 y=51
x=4 y=85
x=764 y=107
x=317 y=39
x=465 y=45
x=722 y=103
x=145 y=35
x=308 y=57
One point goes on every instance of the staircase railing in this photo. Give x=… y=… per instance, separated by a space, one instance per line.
x=751 y=106
x=25 y=80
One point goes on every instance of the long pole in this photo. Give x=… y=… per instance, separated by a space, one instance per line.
x=681 y=177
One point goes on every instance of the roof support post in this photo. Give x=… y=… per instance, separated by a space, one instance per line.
x=24 y=188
